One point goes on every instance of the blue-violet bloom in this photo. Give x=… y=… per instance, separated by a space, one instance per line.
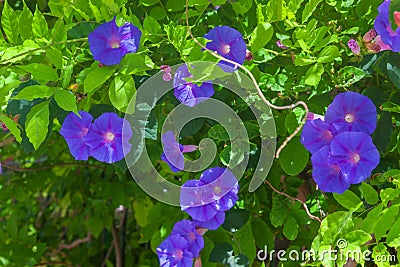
x=355 y=154
x=216 y=191
x=109 y=43
x=173 y=151
x=229 y=43
x=74 y=130
x=383 y=27
x=352 y=111
x=173 y=252
x=316 y=134
x=188 y=93
x=326 y=173
x=187 y=230
x=109 y=137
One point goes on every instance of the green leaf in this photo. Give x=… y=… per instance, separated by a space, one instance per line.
x=34 y=91
x=262 y=233
x=25 y=20
x=328 y=54
x=261 y=35
x=241 y=6
x=368 y=225
x=37 y=122
x=122 y=91
x=389 y=194
x=97 y=77
x=348 y=199
x=9 y=21
x=290 y=228
x=276 y=10
x=313 y=75
x=309 y=9
x=390 y=107
x=350 y=75
x=393 y=237
x=133 y=63
x=41 y=72
x=294 y=157
x=12 y=127
x=369 y=193
x=148 y=2
x=218 y=132
x=55 y=56
x=279 y=211
x=357 y=237
x=66 y=100
x=394 y=74
x=246 y=242
x=394 y=6
x=385 y=221
x=235 y=219
x=39 y=26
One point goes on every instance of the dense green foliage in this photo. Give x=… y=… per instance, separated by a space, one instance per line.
x=58 y=211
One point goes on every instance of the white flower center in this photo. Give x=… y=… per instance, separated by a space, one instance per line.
x=225 y=49
x=217 y=190
x=109 y=136
x=349 y=118
x=355 y=158
x=114 y=44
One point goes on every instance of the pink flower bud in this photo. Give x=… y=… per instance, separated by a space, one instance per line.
x=369 y=36
x=167 y=76
x=397 y=18
x=165 y=68
x=197 y=262
x=280 y=45
x=312 y=116
x=378 y=41
x=353 y=45
x=249 y=55
x=4 y=127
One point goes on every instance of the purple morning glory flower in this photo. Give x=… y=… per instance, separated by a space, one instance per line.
x=188 y=93
x=216 y=191
x=383 y=27
x=351 y=111
x=229 y=43
x=355 y=154
x=316 y=134
x=108 y=138
x=326 y=172
x=109 y=43
x=74 y=131
x=214 y=223
x=354 y=47
x=173 y=252
x=173 y=151
x=187 y=229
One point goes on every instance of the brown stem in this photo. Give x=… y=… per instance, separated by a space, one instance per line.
x=42 y=168
x=53 y=263
x=299 y=103
x=75 y=243
x=293 y=199
x=116 y=246
x=7 y=141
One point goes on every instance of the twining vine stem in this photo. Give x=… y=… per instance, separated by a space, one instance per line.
x=261 y=95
